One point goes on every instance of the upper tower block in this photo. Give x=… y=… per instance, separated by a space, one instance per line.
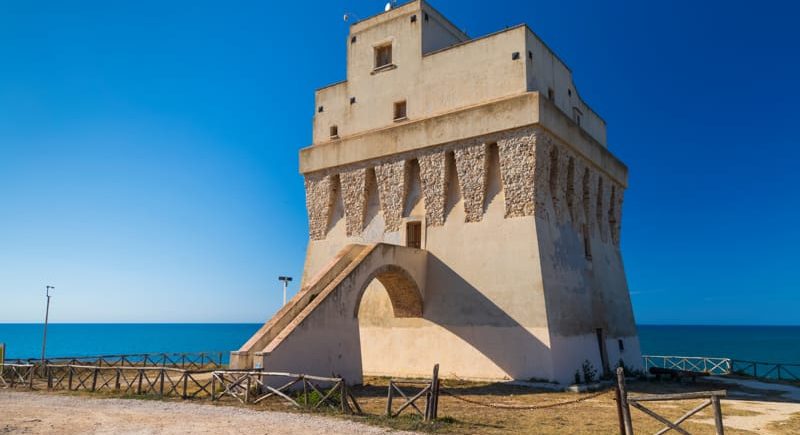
x=411 y=63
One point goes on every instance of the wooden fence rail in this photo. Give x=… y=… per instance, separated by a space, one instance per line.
x=160 y=381
x=625 y=401
x=765 y=370
x=698 y=364
x=724 y=366
x=189 y=360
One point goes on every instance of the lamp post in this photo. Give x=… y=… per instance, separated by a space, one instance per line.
x=286 y=280
x=46 y=318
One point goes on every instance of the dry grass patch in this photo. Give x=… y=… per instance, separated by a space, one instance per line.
x=592 y=416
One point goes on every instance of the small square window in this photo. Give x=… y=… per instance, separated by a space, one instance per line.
x=426 y=17
x=383 y=55
x=352 y=100
x=352 y=39
x=413 y=18
x=530 y=55
x=320 y=109
x=569 y=92
x=551 y=94
x=515 y=55
x=400 y=110
x=334 y=132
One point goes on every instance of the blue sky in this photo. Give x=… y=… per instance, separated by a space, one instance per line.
x=148 y=150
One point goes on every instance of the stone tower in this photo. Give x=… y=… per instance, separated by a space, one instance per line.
x=463 y=210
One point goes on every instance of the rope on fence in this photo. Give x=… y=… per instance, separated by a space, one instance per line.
x=526 y=407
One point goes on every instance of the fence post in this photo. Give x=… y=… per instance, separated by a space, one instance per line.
x=433 y=396
x=305 y=391
x=31 y=371
x=343 y=392
x=213 y=386
x=717 y=415
x=389 y=401
x=116 y=382
x=185 y=384
x=141 y=375
x=623 y=396
x=161 y=387
x=620 y=417
x=247 y=389
x=69 y=382
x=49 y=372
x=94 y=379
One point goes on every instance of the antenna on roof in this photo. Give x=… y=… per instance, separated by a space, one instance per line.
x=388 y=7
x=348 y=15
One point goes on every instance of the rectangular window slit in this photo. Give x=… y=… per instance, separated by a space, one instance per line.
x=399 y=110
x=414 y=235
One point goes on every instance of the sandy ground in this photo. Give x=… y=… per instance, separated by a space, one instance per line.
x=784 y=403
x=33 y=413
x=767 y=413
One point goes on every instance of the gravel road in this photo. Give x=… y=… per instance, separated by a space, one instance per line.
x=35 y=413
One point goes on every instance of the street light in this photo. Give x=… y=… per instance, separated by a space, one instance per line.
x=46 y=318
x=286 y=280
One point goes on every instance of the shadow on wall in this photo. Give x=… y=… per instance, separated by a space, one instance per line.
x=462 y=310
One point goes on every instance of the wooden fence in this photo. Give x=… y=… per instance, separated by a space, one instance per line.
x=309 y=391
x=186 y=360
x=699 y=364
x=764 y=370
x=427 y=388
x=247 y=387
x=13 y=375
x=724 y=366
x=159 y=381
x=625 y=401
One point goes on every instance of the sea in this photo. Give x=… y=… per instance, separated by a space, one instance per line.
x=775 y=344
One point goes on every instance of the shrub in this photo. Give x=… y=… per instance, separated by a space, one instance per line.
x=589 y=373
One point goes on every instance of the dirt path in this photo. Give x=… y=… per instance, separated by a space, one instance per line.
x=780 y=402
x=32 y=413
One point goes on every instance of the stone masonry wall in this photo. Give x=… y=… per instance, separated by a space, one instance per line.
x=539 y=175
x=319 y=203
x=472 y=165
x=354 y=191
x=392 y=180
x=433 y=176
